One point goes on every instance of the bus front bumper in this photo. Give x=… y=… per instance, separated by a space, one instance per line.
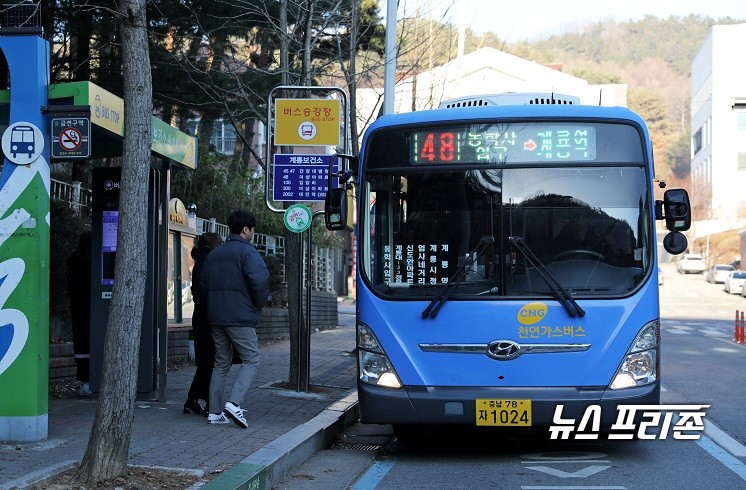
x=446 y=405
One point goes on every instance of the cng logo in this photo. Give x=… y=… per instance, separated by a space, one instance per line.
x=532 y=313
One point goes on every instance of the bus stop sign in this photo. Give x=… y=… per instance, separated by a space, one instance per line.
x=22 y=143
x=71 y=138
x=307 y=122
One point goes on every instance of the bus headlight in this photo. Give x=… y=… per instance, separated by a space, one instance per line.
x=373 y=363
x=641 y=365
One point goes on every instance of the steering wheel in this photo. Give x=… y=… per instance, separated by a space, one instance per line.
x=579 y=251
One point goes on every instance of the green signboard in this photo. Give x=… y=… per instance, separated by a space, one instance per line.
x=297 y=218
x=107 y=112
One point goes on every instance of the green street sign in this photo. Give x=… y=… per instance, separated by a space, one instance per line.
x=297 y=218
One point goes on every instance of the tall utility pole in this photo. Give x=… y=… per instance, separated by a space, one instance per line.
x=389 y=73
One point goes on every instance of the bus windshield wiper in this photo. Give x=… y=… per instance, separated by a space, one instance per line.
x=572 y=307
x=434 y=307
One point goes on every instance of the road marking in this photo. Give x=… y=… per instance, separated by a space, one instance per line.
x=693 y=353
x=556 y=487
x=581 y=473
x=573 y=461
x=373 y=476
x=724 y=440
x=728 y=460
x=731 y=343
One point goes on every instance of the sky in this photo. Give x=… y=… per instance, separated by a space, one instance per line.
x=519 y=20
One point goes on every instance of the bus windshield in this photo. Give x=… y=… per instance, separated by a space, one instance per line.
x=589 y=226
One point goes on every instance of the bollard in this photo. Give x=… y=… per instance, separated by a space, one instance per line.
x=736 y=330
x=740 y=336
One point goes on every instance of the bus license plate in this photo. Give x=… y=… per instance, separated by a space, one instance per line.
x=503 y=413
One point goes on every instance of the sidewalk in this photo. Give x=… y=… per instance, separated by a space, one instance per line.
x=285 y=427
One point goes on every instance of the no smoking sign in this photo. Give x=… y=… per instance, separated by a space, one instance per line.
x=71 y=138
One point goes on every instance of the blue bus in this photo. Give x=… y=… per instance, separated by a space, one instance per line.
x=507 y=263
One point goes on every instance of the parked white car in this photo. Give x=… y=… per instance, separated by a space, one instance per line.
x=734 y=282
x=691 y=264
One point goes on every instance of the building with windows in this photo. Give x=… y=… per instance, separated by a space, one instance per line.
x=484 y=71
x=224 y=137
x=718 y=126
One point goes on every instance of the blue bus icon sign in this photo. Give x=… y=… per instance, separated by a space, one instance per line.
x=22 y=143
x=22 y=140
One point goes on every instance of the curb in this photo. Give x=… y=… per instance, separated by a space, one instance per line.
x=267 y=466
x=38 y=475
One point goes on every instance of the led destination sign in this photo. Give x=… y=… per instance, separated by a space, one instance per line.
x=504 y=143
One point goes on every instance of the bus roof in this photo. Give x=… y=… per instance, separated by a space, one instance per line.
x=507 y=112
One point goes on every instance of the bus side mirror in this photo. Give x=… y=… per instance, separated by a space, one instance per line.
x=335 y=203
x=675 y=209
x=335 y=209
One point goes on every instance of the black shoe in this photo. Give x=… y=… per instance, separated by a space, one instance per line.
x=194 y=406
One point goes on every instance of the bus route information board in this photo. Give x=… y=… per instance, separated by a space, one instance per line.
x=302 y=177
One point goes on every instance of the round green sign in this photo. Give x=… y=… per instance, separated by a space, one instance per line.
x=297 y=218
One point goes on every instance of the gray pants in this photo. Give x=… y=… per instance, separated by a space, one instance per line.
x=245 y=341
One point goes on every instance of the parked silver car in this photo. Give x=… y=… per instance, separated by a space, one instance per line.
x=718 y=272
x=734 y=282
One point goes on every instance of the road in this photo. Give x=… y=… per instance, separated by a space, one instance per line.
x=700 y=364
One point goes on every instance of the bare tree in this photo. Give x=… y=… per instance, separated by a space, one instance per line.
x=109 y=442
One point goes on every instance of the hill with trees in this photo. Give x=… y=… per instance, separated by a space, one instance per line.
x=652 y=56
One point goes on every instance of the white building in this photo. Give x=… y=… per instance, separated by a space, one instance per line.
x=718 y=166
x=485 y=71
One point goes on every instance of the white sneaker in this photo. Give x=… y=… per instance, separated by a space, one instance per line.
x=236 y=414
x=217 y=419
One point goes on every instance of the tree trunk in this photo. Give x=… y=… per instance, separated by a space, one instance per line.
x=306 y=68
x=206 y=125
x=109 y=442
x=81 y=56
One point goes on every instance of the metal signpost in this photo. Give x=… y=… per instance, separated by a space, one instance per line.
x=309 y=122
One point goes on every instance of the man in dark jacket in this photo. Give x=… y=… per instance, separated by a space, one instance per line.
x=236 y=283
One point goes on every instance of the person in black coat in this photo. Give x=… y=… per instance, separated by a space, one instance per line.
x=204 y=347
x=236 y=282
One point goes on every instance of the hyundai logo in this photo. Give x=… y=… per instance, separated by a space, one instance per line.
x=503 y=350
